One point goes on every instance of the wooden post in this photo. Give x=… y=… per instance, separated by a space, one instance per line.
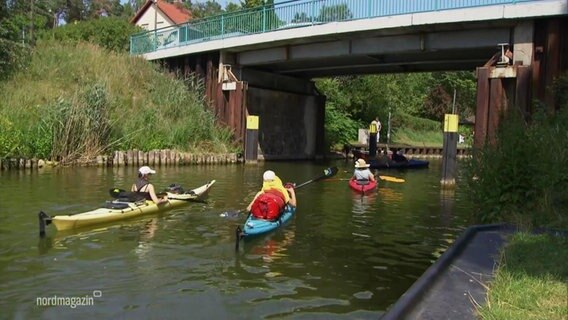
x=251 y=139
x=482 y=109
x=450 y=149
x=373 y=140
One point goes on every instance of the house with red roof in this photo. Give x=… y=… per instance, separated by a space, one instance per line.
x=157 y=14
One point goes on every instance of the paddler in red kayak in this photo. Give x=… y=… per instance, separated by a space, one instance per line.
x=362 y=172
x=269 y=202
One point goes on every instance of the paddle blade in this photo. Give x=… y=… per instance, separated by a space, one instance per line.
x=115 y=192
x=391 y=179
x=330 y=172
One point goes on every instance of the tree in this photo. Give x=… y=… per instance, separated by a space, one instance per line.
x=301 y=17
x=232 y=7
x=438 y=103
x=255 y=3
x=205 y=9
x=465 y=85
x=112 y=33
x=335 y=13
x=74 y=11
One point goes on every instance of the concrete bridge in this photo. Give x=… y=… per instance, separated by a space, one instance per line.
x=261 y=61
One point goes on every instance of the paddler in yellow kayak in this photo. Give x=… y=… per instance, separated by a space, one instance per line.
x=145 y=188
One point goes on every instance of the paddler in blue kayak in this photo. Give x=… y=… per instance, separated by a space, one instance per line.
x=145 y=188
x=362 y=173
x=273 y=197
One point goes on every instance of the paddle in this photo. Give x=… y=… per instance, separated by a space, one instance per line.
x=391 y=179
x=329 y=172
x=120 y=193
x=385 y=178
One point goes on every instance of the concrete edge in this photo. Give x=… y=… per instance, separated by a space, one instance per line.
x=406 y=302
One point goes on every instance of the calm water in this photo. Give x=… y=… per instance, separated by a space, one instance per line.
x=342 y=256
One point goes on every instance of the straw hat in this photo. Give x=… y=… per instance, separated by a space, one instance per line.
x=360 y=163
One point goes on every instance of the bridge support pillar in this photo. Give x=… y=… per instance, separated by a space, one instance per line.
x=498 y=90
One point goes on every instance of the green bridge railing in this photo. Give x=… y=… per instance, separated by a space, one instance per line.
x=286 y=15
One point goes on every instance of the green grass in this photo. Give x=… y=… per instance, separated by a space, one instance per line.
x=76 y=101
x=531 y=280
x=417 y=138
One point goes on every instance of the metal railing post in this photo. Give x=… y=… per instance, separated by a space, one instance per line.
x=313 y=13
x=155 y=40
x=222 y=26
x=264 y=18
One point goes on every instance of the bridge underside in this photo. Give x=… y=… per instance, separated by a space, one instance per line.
x=449 y=47
x=274 y=83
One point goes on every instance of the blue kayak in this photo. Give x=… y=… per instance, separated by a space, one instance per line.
x=410 y=164
x=255 y=226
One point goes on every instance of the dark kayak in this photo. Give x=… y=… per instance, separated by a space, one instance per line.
x=410 y=164
x=353 y=184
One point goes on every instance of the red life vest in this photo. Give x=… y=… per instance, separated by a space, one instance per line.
x=268 y=205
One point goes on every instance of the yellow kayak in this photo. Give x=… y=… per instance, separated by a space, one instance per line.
x=122 y=210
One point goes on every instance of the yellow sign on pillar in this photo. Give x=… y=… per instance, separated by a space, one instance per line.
x=451 y=123
x=252 y=122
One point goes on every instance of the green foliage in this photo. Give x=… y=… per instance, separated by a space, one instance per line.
x=522 y=177
x=339 y=127
x=364 y=97
x=465 y=86
x=111 y=33
x=403 y=120
x=14 y=55
x=411 y=130
x=530 y=282
x=209 y=8
x=437 y=104
x=561 y=88
x=87 y=101
x=338 y=12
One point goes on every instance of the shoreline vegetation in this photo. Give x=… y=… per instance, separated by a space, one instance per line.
x=530 y=282
x=74 y=102
x=521 y=179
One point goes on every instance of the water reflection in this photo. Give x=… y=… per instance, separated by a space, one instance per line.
x=271 y=249
x=447 y=201
x=342 y=256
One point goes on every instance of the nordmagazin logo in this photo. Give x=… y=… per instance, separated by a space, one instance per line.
x=69 y=301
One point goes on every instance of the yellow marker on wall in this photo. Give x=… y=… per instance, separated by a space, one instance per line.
x=451 y=123
x=252 y=122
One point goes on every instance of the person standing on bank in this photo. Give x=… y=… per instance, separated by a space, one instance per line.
x=378 y=126
x=144 y=187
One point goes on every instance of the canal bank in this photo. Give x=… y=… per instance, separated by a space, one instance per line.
x=457 y=285
x=453 y=286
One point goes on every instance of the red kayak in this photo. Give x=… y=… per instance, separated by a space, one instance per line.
x=370 y=185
